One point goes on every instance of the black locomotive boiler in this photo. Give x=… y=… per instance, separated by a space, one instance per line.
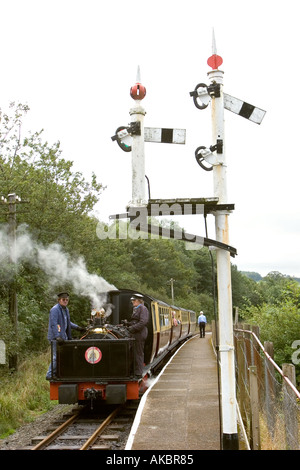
x=100 y=365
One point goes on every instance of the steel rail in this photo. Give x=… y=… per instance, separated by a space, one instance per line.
x=56 y=432
x=98 y=431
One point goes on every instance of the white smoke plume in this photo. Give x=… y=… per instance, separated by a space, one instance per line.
x=59 y=266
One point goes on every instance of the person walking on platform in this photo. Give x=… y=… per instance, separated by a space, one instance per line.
x=138 y=328
x=202 y=323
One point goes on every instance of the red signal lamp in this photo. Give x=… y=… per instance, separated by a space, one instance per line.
x=138 y=91
x=215 y=61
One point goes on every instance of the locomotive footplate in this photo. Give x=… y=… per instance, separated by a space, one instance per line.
x=112 y=393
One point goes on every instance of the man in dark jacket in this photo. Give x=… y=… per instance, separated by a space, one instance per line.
x=60 y=326
x=139 y=330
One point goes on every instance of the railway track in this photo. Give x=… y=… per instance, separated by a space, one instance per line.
x=103 y=429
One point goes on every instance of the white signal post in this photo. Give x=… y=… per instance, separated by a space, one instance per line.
x=137 y=93
x=132 y=139
x=226 y=343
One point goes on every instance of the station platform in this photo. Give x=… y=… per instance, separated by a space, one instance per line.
x=180 y=410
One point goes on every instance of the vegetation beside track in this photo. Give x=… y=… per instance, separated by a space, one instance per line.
x=24 y=394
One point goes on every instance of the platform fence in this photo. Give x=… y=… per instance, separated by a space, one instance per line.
x=268 y=399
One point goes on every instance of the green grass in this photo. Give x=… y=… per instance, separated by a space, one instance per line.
x=24 y=395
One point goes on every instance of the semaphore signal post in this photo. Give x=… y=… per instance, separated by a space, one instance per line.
x=226 y=342
x=131 y=139
x=215 y=160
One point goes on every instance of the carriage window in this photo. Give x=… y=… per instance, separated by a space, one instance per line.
x=163 y=316
x=166 y=315
x=184 y=316
x=154 y=317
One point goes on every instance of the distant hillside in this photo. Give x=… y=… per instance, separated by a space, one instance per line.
x=257 y=277
x=253 y=275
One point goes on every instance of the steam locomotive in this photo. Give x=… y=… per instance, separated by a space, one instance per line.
x=100 y=365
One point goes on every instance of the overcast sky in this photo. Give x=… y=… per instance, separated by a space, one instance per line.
x=73 y=62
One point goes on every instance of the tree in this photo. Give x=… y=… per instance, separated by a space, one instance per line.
x=158 y=260
x=245 y=291
x=278 y=323
x=277 y=287
x=60 y=202
x=278 y=316
x=36 y=171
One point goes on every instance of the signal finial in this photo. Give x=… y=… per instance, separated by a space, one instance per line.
x=138 y=75
x=138 y=91
x=215 y=60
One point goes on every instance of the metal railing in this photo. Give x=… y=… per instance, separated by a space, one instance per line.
x=267 y=394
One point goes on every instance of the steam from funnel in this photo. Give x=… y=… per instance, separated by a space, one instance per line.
x=59 y=266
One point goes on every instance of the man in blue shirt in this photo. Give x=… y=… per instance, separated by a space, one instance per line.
x=60 y=326
x=202 y=323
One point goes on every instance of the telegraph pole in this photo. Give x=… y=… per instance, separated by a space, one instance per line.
x=11 y=201
x=171 y=282
x=13 y=302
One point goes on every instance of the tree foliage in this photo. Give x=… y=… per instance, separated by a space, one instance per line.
x=278 y=314
x=56 y=196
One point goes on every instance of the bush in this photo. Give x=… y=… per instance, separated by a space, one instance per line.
x=280 y=324
x=25 y=394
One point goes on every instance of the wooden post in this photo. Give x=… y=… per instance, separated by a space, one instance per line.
x=290 y=408
x=270 y=388
x=255 y=347
x=213 y=331
x=247 y=340
x=256 y=358
x=236 y=315
x=255 y=432
x=241 y=379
